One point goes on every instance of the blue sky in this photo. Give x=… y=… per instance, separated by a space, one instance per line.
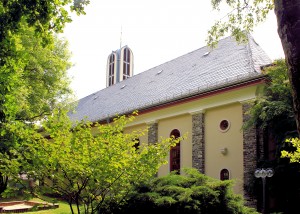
x=157 y=31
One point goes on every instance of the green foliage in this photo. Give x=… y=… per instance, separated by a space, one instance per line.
x=294 y=155
x=242 y=18
x=32 y=60
x=87 y=164
x=36 y=79
x=272 y=112
x=32 y=83
x=192 y=192
x=15 y=138
x=38 y=19
x=274 y=107
x=44 y=16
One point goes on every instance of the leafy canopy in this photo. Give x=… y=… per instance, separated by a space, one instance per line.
x=274 y=107
x=26 y=39
x=33 y=65
x=242 y=17
x=294 y=155
x=44 y=15
x=33 y=81
x=88 y=164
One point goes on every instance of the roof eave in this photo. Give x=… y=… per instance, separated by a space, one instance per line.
x=183 y=98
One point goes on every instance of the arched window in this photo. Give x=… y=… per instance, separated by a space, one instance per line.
x=224 y=174
x=111 y=75
x=126 y=63
x=175 y=153
x=137 y=143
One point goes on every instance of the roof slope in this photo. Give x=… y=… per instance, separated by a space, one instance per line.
x=196 y=72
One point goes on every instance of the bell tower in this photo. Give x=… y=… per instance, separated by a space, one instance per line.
x=119 y=66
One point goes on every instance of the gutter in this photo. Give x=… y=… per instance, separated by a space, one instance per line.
x=193 y=95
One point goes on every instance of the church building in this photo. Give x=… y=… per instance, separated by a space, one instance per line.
x=204 y=94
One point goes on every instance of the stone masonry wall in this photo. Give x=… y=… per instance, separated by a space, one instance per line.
x=198 y=146
x=250 y=158
x=152 y=133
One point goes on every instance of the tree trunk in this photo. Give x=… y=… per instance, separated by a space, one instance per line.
x=3 y=183
x=70 y=202
x=288 y=21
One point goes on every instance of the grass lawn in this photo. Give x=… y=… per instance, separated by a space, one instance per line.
x=62 y=209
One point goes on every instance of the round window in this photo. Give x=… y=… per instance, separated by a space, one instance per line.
x=224 y=125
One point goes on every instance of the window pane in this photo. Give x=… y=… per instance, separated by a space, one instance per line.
x=175 y=153
x=125 y=54
x=112 y=58
x=128 y=55
x=127 y=69
x=224 y=174
x=124 y=69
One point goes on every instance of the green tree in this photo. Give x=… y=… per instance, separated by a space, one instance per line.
x=43 y=18
x=274 y=108
x=89 y=164
x=39 y=20
x=272 y=112
x=33 y=82
x=35 y=79
x=46 y=16
x=190 y=193
x=33 y=64
x=246 y=14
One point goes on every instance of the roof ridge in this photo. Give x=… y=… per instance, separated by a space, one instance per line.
x=174 y=59
x=249 y=51
x=189 y=74
x=205 y=46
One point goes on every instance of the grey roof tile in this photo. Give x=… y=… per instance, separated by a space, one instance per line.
x=193 y=72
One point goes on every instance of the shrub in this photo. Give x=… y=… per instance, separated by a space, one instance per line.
x=190 y=193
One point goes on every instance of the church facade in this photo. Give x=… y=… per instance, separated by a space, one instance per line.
x=204 y=94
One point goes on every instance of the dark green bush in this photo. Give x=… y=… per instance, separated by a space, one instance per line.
x=189 y=193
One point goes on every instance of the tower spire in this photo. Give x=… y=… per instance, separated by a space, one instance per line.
x=121 y=37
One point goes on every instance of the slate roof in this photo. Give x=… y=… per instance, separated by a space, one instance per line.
x=199 y=71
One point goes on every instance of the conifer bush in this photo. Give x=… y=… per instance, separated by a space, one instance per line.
x=190 y=193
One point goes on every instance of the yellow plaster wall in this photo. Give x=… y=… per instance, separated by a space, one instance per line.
x=95 y=130
x=209 y=102
x=184 y=124
x=140 y=127
x=217 y=107
x=215 y=140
